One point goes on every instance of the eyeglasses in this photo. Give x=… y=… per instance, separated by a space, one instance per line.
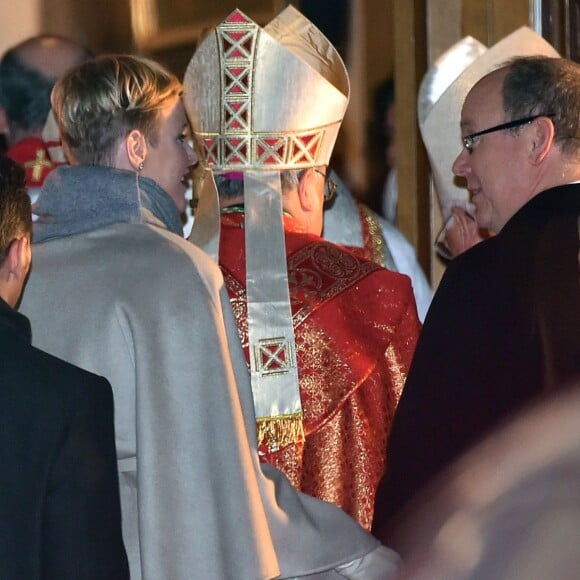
x=469 y=140
x=329 y=186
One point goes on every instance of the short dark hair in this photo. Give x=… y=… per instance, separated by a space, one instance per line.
x=229 y=189
x=15 y=212
x=24 y=93
x=542 y=85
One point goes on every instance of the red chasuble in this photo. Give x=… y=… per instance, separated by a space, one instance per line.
x=32 y=154
x=356 y=327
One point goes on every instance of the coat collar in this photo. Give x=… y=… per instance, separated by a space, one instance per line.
x=12 y=322
x=77 y=199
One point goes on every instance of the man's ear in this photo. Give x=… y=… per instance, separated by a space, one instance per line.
x=542 y=139
x=307 y=193
x=136 y=148
x=19 y=258
x=14 y=270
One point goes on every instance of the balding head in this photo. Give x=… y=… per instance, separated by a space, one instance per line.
x=51 y=56
x=28 y=72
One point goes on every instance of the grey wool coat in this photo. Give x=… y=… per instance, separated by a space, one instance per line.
x=115 y=290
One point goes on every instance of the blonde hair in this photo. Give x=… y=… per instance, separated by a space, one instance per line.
x=102 y=100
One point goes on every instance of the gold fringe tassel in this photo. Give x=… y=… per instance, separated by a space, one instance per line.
x=274 y=433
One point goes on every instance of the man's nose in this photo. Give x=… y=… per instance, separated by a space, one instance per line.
x=461 y=164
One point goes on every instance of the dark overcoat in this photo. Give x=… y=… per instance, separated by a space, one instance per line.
x=60 y=515
x=502 y=330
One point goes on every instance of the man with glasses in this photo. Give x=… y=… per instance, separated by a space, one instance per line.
x=328 y=336
x=504 y=326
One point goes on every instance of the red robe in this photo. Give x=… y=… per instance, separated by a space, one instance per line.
x=356 y=327
x=32 y=153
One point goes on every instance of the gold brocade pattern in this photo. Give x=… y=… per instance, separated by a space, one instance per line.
x=237 y=293
x=315 y=275
x=318 y=273
x=346 y=458
x=396 y=367
x=318 y=350
x=373 y=238
x=289 y=460
x=356 y=327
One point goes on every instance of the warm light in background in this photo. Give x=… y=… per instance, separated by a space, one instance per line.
x=18 y=20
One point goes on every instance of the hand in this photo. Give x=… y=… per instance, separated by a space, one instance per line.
x=459 y=233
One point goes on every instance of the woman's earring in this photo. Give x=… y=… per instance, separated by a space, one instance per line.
x=141 y=166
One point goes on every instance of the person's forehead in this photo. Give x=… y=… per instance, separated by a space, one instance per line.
x=173 y=111
x=485 y=100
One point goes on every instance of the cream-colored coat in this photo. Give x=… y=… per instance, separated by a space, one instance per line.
x=143 y=307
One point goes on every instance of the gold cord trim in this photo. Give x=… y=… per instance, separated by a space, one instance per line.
x=377 y=238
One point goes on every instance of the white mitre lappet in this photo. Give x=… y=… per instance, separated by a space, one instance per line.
x=443 y=92
x=260 y=101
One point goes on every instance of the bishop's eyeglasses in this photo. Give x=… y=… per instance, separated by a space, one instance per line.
x=329 y=185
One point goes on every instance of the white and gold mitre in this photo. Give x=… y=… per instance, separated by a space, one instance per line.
x=278 y=100
x=439 y=118
x=260 y=101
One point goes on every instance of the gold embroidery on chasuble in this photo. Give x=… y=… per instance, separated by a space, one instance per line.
x=346 y=457
x=398 y=375
x=237 y=293
x=325 y=378
x=316 y=274
x=373 y=238
x=319 y=272
x=346 y=387
x=290 y=461
x=321 y=364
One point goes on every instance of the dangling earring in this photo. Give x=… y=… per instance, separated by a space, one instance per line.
x=137 y=173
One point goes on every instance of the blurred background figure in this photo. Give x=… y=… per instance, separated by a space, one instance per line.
x=28 y=72
x=349 y=222
x=439 y=105
x=509 y=509
x=438 y=108
x=383 y=134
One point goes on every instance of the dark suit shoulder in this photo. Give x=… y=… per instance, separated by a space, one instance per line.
x=43 y=379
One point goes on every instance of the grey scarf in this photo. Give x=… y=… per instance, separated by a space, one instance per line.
x=76 y=199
